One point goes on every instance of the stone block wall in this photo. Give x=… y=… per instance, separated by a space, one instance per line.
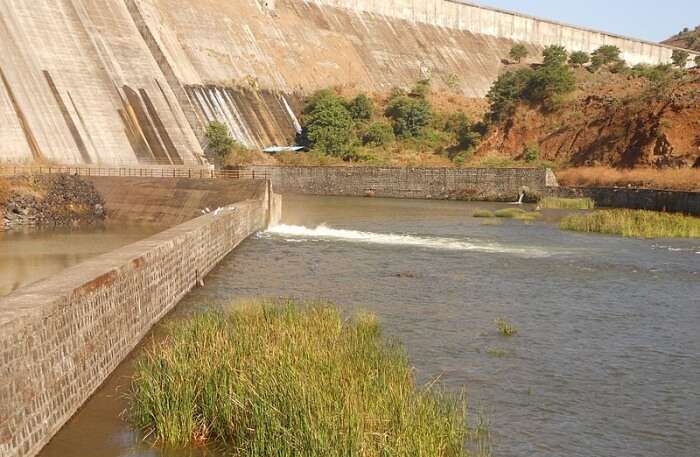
x=61 y=337
x=649 y=199
x=496 y=184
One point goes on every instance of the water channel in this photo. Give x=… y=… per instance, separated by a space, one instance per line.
x=606 y=361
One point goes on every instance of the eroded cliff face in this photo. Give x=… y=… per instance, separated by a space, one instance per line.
x=611 y=120
x=128 y=82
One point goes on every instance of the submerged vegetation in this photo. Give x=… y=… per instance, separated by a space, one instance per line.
x=482 y=213
x=635 y=224
x=517 y=213
x=282 y=380
x=505 y=328
x=566 y=203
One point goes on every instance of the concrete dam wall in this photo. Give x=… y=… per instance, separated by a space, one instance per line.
x=61 y=337
x=490 y=184
x=125 y=82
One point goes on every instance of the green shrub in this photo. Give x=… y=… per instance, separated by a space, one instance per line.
x=410 y=116
x=655 y=73
x=555 y=55
x=277 y=380
x=679 y=57
x=579 y=58
x=361 y=108
x=467 y=134
x=420 y=89
x=378 y=134
x=697 y=61
x=328 y=125
x=219 y=139
x=531 y=153
x=506 y=92
x=635 y=224
x=518 y=52
x=607 y=54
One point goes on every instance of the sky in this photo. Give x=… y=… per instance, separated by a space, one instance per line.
x=650 y=20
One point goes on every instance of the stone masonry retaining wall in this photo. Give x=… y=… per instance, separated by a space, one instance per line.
x=655 y=200
x=61 y=337
x=497 y=184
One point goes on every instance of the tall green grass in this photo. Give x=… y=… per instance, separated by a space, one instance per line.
x=635 y=224
x=285 y=380
x=566 y=203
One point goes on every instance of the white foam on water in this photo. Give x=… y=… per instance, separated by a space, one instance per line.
x=323 y=232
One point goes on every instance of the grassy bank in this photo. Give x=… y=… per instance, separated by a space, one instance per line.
x=284 y=380
x=684 y=179
x=635 y=223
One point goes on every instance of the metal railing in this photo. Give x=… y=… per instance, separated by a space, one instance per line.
x=150 y=172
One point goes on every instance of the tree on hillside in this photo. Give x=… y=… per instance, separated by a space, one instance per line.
x=518 y=52
x=697 y=61
x=328 y=125
x=505 y=93
x=219 y=139
x=680 y=58
x=555 y=55
x=579 y=58
x=608 y=54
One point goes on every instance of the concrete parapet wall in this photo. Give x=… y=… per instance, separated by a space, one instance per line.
x=426 y=183
x=61 y=337
x=649 y=199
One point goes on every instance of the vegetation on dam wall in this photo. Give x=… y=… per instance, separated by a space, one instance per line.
x=48 y=200
x=277 y=379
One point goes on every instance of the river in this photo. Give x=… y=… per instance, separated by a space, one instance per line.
x=606 y=361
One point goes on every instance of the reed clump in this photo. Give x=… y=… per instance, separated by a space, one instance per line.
x=635 y=224
x=505 y=328
x=517 y=213
x=566 y=203
x=284 y=379
x=483 y=213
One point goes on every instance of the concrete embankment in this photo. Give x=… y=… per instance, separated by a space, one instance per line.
x=494 y=184
x=61 y=337
x=649 y=199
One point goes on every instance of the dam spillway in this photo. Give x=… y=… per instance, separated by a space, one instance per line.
x=127 y=82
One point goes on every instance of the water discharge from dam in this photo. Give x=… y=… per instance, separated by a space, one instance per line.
x=605 y=363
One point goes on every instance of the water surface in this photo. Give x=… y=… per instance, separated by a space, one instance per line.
x=606 y=361
x=28 y=255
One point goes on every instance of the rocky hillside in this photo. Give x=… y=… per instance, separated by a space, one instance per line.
x=48 y=200
x=620 y=120
x=689 y=39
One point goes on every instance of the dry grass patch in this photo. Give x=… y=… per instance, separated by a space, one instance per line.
x=685 y=179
